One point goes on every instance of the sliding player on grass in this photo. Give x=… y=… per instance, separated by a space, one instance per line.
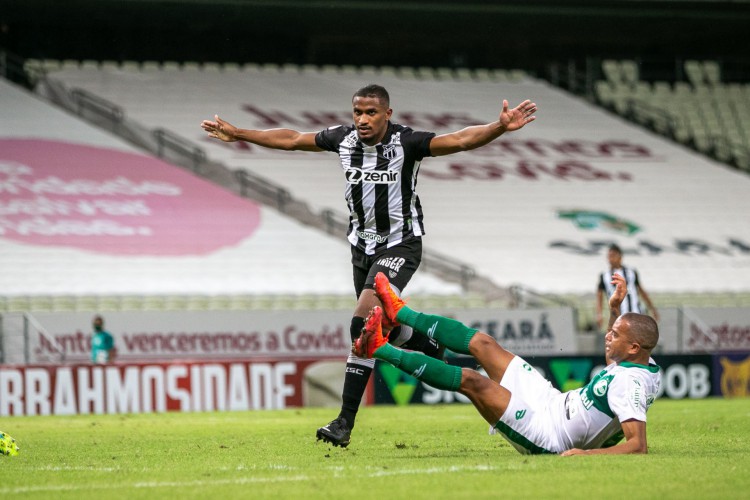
x=514 y=398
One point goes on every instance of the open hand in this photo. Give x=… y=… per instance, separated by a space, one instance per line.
x=513 y=119
x=621 y=290
x=220 y=129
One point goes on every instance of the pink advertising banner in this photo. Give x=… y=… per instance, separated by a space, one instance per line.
x=113 y=202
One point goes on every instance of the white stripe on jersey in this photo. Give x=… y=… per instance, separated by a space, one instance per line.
x=631 y=302
x=388 y=175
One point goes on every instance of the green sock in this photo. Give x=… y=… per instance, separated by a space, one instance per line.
x=422 y=367
x=451 y=333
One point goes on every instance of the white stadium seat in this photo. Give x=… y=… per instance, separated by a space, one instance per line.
x=504 y=209
x=48 y=275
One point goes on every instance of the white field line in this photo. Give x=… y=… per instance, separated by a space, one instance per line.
x=78 y=467
x=236 y=481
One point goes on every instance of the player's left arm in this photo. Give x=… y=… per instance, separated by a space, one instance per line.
x=635 y=442
x=648 y=302
x=479 y=135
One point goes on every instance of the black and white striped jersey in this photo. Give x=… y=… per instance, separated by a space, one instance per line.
x=631 y=302
x=381 y=182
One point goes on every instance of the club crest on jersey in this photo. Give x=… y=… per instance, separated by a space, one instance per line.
x=389 y=151
x=357 y=175
x=600 y=388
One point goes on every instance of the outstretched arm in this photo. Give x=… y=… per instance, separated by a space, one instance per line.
x=621 y=290
x=479 y=135
x=635 y=442
x=599 y=308
x=276 y=138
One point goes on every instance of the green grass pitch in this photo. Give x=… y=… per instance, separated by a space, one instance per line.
x=698 y=449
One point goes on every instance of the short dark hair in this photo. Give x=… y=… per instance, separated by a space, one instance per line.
x=614 y=247
x=642 y=329
x=376 y=91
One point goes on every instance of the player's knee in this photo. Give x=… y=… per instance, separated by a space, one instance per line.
x=482 y=343
x=355 y=329
x=472 y=382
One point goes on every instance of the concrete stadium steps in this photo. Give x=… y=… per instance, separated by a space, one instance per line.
x=43 y=269
x=507 y=209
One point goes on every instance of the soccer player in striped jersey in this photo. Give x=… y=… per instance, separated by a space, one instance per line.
x=631 y=303
x=380 y=161
x=515 y=399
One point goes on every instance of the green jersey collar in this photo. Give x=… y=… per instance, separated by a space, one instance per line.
x=649 y=367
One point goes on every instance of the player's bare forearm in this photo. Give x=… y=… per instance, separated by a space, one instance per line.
x=478 y=135
x=466 y=139
x=621 y=290
x=614 y=313
x=635 y=442
x=599 y=308
x=649 y=303
x=279 y=138
x=626 y=448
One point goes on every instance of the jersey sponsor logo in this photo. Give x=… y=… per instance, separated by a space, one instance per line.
x=392 y=263
x=351 y=140
x=372 y=237
x=356 y=175
x=520 y=414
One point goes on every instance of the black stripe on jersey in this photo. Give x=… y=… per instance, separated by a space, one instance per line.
x=407 y=193
x=382 y=208
x=357 y=160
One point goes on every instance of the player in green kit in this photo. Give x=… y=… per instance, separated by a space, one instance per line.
x=102 y=343
x=515 y=399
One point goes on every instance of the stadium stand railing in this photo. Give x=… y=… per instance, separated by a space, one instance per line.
x=182 y=152
x=637 y=98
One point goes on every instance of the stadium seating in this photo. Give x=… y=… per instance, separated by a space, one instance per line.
x=534 y=209
x=266 y=267
x=703 y=112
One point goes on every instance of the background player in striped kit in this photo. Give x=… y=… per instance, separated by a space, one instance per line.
x=631 y=302
x=380 y=161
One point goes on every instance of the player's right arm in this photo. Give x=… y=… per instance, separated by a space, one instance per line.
x=599 y=309
x=275 y=138
x=478 y=135
x=635 y=442
x=621 y=290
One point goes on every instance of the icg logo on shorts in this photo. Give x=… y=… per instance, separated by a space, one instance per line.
x=392 y=263
x=357 y=175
